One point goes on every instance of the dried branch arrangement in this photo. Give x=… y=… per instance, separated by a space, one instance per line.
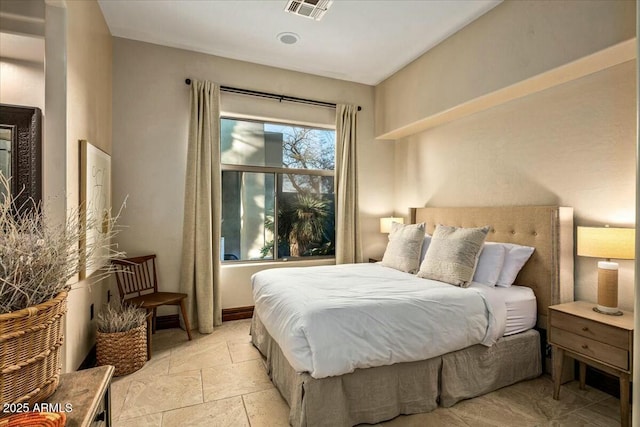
x=120 y=318
x=39 y=258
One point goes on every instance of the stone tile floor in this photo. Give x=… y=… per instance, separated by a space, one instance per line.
x=219 y=380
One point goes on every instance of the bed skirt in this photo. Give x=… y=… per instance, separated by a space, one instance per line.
x=378 y=394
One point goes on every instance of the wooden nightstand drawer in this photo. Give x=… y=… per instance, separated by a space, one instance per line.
x=597 y=350
x=588 y=328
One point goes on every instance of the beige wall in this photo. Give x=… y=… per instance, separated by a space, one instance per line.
x=88 y=68
x=73 y=88
x=151 y=109
x=573 y=145
x=23 y=16
x=22 y=83
x=513 y=42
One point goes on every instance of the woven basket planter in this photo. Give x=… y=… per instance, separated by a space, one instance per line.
x=126 y=351
x=30 y=342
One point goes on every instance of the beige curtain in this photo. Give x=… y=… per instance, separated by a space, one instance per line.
x=348 y=247
x=200 y=270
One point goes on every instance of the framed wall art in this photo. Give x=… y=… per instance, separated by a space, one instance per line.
x=95 y=204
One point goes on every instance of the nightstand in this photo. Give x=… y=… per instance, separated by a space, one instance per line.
x=375 y=260
x=599 y=340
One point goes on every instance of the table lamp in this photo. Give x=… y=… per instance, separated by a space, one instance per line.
x=607 y=243
x=385 y=223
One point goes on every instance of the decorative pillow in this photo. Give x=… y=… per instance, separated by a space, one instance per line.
x=490 y=264
x=453 y=254
x=515 y=258
x=425 y=246
x=403 y=249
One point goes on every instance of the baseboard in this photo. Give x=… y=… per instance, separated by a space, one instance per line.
x=170 y=321
x=237 y=313
x=173 y=320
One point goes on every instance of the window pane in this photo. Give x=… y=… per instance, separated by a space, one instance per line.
x=247 y=198
x=306 y=219
x=246 y=143
x=252 y=143
x=305 y=148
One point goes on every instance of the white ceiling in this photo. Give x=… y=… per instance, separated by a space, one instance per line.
x=363 y=41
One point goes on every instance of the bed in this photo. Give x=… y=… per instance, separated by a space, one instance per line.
x=373 y=394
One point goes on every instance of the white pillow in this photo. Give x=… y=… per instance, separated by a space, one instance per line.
x=490 y=264
x=403 y=249
x=515 y=258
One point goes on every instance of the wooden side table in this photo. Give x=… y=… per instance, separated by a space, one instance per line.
x=599 y=340
x=86 y=395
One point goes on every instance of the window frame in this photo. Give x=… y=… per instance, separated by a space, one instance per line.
x=276 y=171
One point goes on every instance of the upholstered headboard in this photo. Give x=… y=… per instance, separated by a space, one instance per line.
x=549 y=229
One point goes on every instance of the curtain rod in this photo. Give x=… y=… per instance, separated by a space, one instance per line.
x=275 y=96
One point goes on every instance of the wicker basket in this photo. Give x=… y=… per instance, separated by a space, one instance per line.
x=30 y=342
x=126 y=351
x=48 y=419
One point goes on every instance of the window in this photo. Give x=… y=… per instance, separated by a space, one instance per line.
x=277 y=190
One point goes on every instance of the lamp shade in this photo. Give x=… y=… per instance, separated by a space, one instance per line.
x=385 y=223
x=607 y=242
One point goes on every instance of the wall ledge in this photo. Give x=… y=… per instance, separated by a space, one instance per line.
x=606 y=58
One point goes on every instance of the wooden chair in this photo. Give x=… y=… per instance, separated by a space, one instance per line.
x=138 y=285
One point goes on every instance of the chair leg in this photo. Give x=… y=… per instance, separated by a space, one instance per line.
x=183 y=309
x=155 y=316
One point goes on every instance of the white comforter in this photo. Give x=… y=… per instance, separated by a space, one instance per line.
x=331 y=320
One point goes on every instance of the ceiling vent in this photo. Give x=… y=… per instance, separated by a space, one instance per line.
x=313 y=9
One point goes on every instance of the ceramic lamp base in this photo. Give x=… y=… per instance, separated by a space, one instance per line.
x=607 y=288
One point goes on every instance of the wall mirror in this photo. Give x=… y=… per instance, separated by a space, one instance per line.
x=20 y=151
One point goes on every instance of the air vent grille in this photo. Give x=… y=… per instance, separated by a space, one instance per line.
x=312 y=9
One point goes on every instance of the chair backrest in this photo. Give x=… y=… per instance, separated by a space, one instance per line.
x=136 y=276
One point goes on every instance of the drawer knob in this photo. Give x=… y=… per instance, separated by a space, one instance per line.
x=584 y=346
x=585 y=329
